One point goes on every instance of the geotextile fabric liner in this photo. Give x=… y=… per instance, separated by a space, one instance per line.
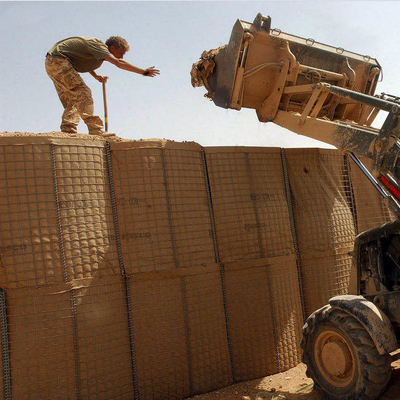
x=252 y=223
x=249 y=202
x=158 y=270
x=265 y=313
x=324 y=222
x=180 y=329
x=29 y=237
x=163 y=208
x=40 y=325
x=85 y=211
x=2 y=368
x=160 y=335
x=371 y=208
x=52 y=189
x=103 y=339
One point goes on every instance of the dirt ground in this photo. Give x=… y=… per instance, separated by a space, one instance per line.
x=292 y=384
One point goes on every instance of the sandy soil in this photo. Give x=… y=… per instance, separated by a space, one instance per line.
x=292 y=384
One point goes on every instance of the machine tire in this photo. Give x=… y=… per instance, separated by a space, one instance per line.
x=341 y=357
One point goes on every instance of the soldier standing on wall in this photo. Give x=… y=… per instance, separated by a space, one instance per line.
x=85 y=54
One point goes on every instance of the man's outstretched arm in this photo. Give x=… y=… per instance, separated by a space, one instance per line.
x=151 y=71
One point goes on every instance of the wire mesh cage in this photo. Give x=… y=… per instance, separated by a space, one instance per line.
x=159 y=270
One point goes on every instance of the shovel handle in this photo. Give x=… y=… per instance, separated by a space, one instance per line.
x=105 y=107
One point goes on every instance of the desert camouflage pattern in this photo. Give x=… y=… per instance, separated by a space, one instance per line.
x=74 y=94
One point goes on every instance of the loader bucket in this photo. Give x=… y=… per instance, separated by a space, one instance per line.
x=269 y=70
x=226 y=64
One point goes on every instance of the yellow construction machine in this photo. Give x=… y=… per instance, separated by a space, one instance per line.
x=328 y=93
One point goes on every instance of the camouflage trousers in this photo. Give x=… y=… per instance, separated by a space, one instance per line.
x=74 y=94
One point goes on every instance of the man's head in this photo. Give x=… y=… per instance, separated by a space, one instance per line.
x=117 y=46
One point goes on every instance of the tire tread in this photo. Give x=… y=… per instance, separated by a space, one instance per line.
x=374 y=368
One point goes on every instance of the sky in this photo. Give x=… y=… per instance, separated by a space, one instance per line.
x=171 y=35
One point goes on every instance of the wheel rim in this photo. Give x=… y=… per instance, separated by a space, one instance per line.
x=334 y=358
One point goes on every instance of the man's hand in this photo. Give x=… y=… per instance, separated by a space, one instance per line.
x=151 y=71
x=99 y=78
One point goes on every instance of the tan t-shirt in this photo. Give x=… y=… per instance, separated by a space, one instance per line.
x=85 y=53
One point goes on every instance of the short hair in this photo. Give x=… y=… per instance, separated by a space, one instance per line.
x=117 y=42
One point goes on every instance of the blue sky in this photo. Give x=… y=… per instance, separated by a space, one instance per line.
x=171 y=35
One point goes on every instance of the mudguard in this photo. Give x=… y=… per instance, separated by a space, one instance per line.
x=371 y=317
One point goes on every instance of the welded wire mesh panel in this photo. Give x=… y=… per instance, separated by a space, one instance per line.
x=371 y=209
x=29 y=245
x=249 y=203
x=2 y=369
x=208 y=344
x=319 y=199
x=251 y=321
x=142 y=204
x=264 y=297
x=70 y=341
x=218 y=277
x=41 y=343
x=189 y=205
x=252 y=220
x=104 y=352
x=180 y=335
x=163 y=208
x=324 y=222
x=85 y=211
x=287 y=311
x=4 y=349
x=159 y=311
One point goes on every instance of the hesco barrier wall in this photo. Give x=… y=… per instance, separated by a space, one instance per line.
x=158 y=270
